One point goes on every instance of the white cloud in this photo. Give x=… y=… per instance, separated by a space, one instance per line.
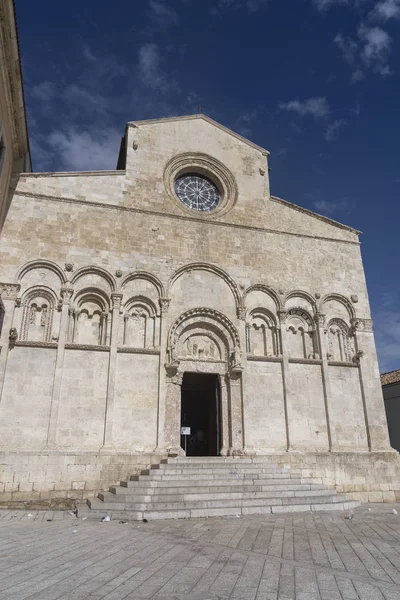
x=385 y=10
x=348 y=47
x=376 y=48
x=83 y=151
x=316 y=107
x=329 y=208
x=256 y=5
x=332 y=131
x=44 y=91
x=151 y=73
x=357 y=75
x=252 y=6
x=325 y=4
x=162 y=15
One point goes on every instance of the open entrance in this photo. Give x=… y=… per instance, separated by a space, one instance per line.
x=200 y=410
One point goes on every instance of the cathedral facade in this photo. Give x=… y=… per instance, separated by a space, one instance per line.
x=177 y=292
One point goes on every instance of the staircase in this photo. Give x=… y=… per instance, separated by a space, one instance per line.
x=180 y=488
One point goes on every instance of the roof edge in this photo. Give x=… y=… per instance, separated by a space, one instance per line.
x=316 y=215
x=205 y=118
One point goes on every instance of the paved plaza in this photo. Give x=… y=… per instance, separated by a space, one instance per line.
x=54 y=555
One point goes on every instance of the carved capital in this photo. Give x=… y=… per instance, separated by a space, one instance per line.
x=13 y=335
x=361 y=325
x=65 y=296
x=9 y=291
x=116 y=300
x=172 y=373
x=164 y=305
x=282 y=314
x=358 y=355
x=241 y=313
x=320 y=319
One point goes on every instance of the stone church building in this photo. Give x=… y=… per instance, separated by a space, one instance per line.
x=177 y=291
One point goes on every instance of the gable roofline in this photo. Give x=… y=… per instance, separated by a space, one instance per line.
x=316 y=215
x=204 y=118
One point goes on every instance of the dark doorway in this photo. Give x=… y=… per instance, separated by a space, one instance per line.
x=200 y=410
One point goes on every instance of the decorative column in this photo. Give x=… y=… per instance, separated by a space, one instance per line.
x=8 y=295
x=326 y=384
x=116 y=300
x=64 y=302
x=225 y=416
x=371 y=390
x=238 y=381
x=172 y=427
x=236 y=413
x=162 y=342
x=285 y=375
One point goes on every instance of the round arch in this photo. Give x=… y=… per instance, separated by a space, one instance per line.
x=93 y=270
x=261 y=287
x=211 y=269
x=206 y=319
x=41 y=264
x=147 y=277
x=342 y=300
x=301 y=294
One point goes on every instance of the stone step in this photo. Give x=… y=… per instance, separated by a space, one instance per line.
x=224 y=459
x=221 y=466
x=131 y=504
x=205 y=487
x=216 y=471
x=159 y=476
x=118 y=495
x=99 y=509
x=138 y=481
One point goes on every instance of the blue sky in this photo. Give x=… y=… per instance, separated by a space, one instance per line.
x=316 y=82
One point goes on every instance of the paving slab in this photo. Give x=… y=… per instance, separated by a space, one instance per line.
x=50 y=555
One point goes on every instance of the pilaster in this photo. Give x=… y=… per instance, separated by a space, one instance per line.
x=64 y=302
x=225 y=416
x=172 y=431
x=8 y=295
x=116 y=300
x=163 y=334
x=371 y=389
x=285 y=376
x=320 y=327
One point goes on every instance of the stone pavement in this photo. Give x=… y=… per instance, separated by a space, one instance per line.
x=303 y=556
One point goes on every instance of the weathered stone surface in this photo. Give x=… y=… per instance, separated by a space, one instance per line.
x=113 y=290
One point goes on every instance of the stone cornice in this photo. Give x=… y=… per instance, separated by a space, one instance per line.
x=131 y=209
x=129 y=350
x=203 y=118
x=335 y=363
x=71 y=174
x=11 y=75
x=310 y=213
x=32 y=344
x=87 y=347
x=255 y=358
x=306 y=361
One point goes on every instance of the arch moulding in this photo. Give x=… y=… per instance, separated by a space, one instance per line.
x=211 y=269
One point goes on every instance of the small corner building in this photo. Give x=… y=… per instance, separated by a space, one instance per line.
x=177 y=291
x=391 y=395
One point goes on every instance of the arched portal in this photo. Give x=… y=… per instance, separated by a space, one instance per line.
x=204 y=385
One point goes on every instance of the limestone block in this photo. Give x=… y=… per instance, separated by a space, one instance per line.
x=78 y=485
x=375 y=497
x=389 y=496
